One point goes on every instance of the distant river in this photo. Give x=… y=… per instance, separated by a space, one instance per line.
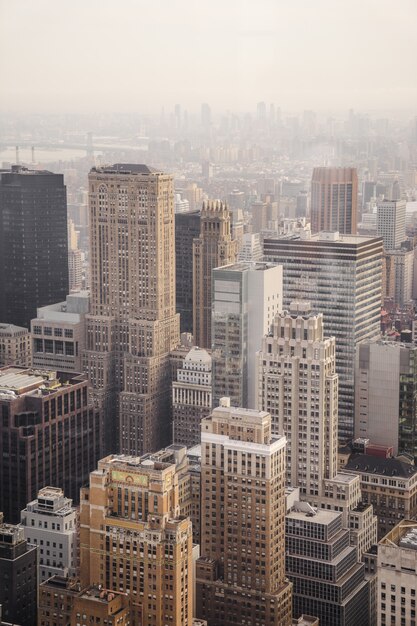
x=43 y=155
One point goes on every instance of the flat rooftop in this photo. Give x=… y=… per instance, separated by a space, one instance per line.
x=17 y=381
x=321 y=516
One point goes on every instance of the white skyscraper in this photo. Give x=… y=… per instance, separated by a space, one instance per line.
x=246 y=298
x=391 y=223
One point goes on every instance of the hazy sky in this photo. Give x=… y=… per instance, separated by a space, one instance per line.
x=140 y=55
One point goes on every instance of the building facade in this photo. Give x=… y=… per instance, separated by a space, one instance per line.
x=133 y=538
x=33 y=242
x=132 y=325
x=187 y=228
x=50 y=434
x=213 y=248
x=241 y=573
x=18 y=575
x=50 y=523
x=191 y=397
x=386 y=395
x=341 y=277
x=15 y=345
x=322 y=566
x=390 y=219
x=298 y=386
x=334 y=200
x=58 y=334
x=246 y=297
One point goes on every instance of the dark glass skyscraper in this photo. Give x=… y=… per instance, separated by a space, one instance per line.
x=187 y=228
x=33 y=243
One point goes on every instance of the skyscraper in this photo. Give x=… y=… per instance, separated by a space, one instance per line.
x=191 y=397
x=391 y=223
x=246 y=297
x=297 y=385
x=133 y=538
x=334 y=199
x=341 y=278
x=213 y=248
x=50 y=434
x=241 y=573
x=187 y=228
x=132 y=325
x=33 y=243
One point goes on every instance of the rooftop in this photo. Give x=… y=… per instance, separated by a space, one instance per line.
x=403 y=535
x=125 y=168
x=369 y=464
x=17 y=381
x=10 y=329
x=320 y=516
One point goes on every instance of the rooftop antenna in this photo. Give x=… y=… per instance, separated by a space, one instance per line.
x=17 y=155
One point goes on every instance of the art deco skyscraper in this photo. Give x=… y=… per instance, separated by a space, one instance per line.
x=334 y=199
x=298 y=386
x=241 y=573
x=213 y=248
x=132 y=325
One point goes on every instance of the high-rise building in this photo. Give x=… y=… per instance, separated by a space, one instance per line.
x=386 y=395
x=341 y=277
x=33 y=242
x=241 y=573
x=298 y=386
x=18 y=575
x=191 y=397
x=246 y=297
x=251 y=250
x=15 y=345
x=187 y=228
x=132 y=325
x=50 y=434
x=322 y=566
x=396 y=575
x=133 y=538
x=50 y=523
x=334 y=199
x=58 y=334
x=391 y=223
x=213 y=248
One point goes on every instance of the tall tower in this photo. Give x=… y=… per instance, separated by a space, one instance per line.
x=241 y=573
x=298 y=386
x=33 y=243
x=334 y=199
x=390 y=220
x=134 y=539
x=213 y=248
x=132 y=326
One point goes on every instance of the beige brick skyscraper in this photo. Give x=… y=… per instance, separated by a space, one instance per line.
x=132 y=325
x=334 y=200
x=241 y=573
x=213 y=248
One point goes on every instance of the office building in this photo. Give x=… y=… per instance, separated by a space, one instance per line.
x=246 y=298
x=403 y=267
x=187 y=228
x=18 y=576
x=391 y=223
x=75 y=269
x=58 y=334
x=81 y=606
x=334 y=200
x=327 y=579
x=133 y=538
x=50 y=434
x=50 y=523
x=240 y=575
x=390 y=485
x=33 y=242
x=341 y=277
x=191 y=397
x=132 y=325
x=298 y=386
x=386 y=394
x=251 y=250
x=15 y=345
x=396 y=574
x=213 y=248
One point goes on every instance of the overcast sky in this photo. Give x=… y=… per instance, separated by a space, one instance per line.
x=140 y=55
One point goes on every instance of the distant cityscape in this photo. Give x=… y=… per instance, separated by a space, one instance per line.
x=208 y=368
